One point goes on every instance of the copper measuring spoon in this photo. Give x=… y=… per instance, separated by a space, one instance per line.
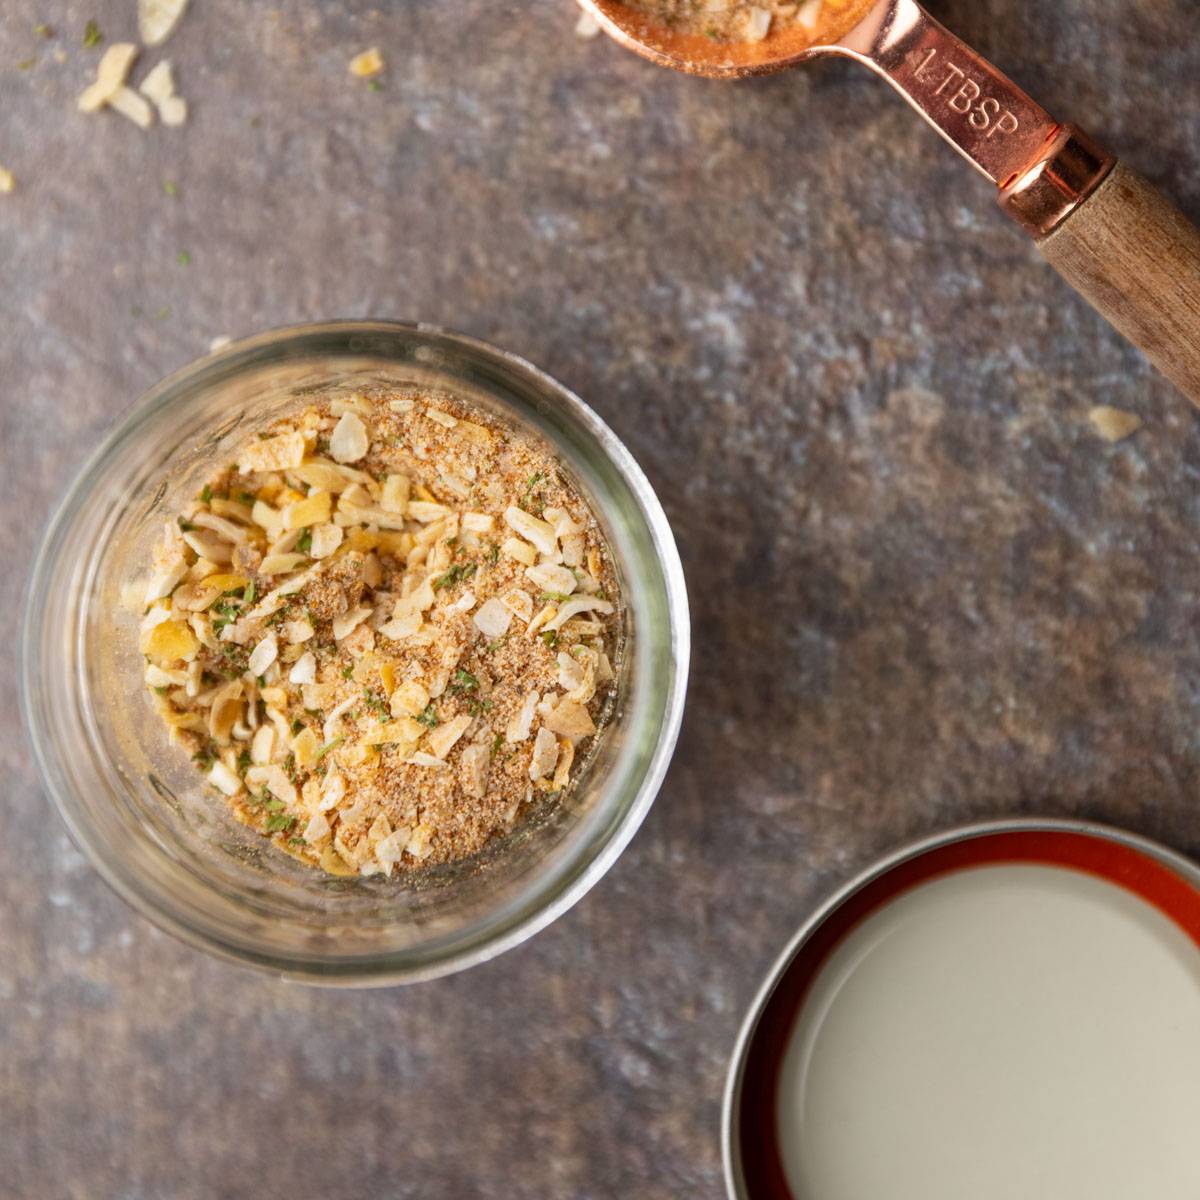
x=1124 y=247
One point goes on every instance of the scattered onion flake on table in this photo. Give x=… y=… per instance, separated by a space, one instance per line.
x=738 y=20
x=158 y=19
x=111 y=90
x=385 y=632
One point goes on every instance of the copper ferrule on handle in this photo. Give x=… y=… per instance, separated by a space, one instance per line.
x=1052 y=187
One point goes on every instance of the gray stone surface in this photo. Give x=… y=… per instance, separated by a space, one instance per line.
x=924 y=590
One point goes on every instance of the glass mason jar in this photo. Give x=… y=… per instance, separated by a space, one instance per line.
x=139 y=809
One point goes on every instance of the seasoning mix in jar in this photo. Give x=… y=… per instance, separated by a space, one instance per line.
x=385 y=632
x=470 y=642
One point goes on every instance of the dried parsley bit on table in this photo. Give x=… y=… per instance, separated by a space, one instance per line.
x=384 y=632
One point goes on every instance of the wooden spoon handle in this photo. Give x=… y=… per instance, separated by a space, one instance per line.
x=1136 y=259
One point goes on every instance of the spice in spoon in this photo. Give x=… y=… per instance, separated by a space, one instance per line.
x=739 y=20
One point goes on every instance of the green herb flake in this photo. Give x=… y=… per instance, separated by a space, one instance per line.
x=557 y=597
x=347 y=672
x=550 y=637
x=43 y=30
x=297 y=725
x=183 y=258
x=249 y=593
x=464 y=681
x=279 y=823
x=92 y=35
x=206 y=494
x=186 y=526
x=247 y=497
x=325 y=749
x=243 y=762
x=304 y=545
x=170 y=187
x=458 y=573
x=26 y=64
x=375 y=86
x=497 y=742
x=428 y=718
x=377 y=703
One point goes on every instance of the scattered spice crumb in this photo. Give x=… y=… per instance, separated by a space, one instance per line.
x=219 y=343
x=8 y=181
x=92 y=35
x=159 y=82
x=159 y=87
x=111 y=73
x=375 y=86
x=587 y=26
x=1114 y=424
x=111 y=90
x=173 y=110
x=27 y=64
x=170 y=187
x=134 y=106
x=184 y=258
x=158 y=19
x=366 y=64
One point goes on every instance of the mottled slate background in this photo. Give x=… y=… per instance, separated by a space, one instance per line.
x=924 y=590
